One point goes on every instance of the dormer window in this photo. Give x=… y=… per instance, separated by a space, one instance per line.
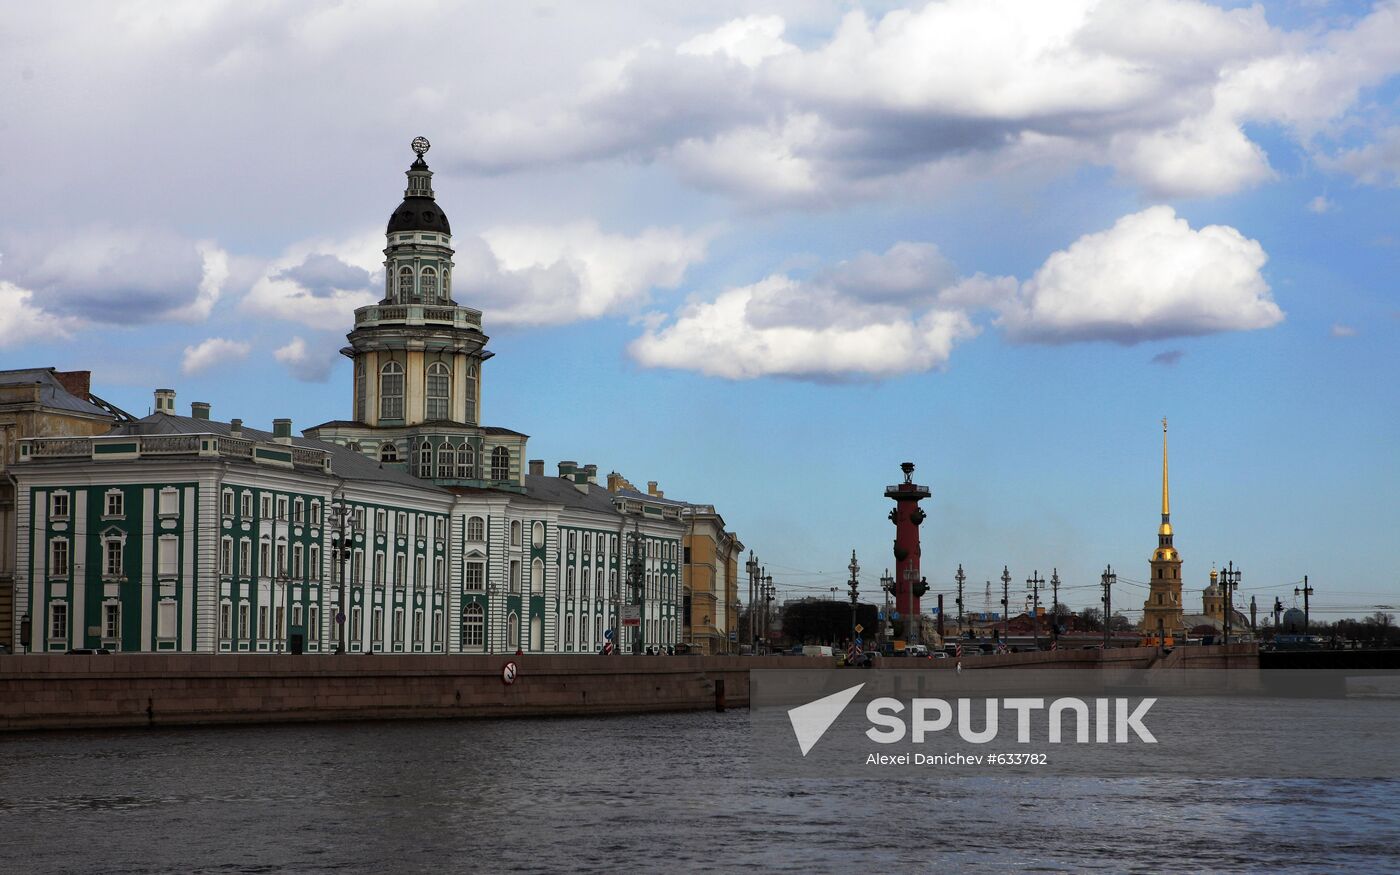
x=388 y=452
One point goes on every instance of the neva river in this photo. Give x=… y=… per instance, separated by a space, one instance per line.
x=635 y=794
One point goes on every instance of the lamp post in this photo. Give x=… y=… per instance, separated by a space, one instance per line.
x=886 y=584
x=752 y=568
x=342 y=551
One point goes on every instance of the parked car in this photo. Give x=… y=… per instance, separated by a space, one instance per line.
x=865 y=660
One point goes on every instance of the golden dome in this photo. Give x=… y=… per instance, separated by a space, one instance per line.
x=1165 y=554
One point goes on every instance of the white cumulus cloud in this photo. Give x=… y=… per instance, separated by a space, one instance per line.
x=877 y=315
x=21 y=322
x=211 y=353
x=304 y=362
x=1149 y=276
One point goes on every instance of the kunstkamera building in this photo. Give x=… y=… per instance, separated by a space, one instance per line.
x=411 y=527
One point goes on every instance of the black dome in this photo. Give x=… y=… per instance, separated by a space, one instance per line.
x=419 y=214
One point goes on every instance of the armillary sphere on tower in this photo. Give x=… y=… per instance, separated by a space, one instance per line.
x=421 y=146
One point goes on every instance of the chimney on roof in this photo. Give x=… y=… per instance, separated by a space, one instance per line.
x=199 y=409
x=77 y=383
x=165 y=401
x=282 y=431
x=591 y=472
x=653 y=491
x=614 y=481
x=566 y=470
x=235 y=428
x=537 y=467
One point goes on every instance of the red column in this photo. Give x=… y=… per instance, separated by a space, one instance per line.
x=906 y=516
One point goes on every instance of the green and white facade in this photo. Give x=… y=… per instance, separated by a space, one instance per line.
x=410 y=528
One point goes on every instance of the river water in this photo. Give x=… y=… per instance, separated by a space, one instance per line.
x=654 y=793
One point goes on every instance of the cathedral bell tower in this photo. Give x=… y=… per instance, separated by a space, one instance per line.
x=1163 y=609
x=418 y=358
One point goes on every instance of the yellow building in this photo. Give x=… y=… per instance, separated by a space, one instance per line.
x=1213 y=599
x=1162 y=613
x=710 y=574
x=34 y=403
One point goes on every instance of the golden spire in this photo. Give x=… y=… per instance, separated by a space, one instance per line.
x=1166 y=527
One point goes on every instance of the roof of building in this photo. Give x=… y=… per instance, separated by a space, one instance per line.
x=557 y=490
x=637 y=495
x=52 y=394
x=345 y=462
x=418 y=214
x=485 y=429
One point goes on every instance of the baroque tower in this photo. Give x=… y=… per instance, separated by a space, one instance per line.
x=418 y=360
x=1163 y=609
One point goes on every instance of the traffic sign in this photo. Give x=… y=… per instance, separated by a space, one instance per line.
x=509 y=672
x=859 y=628
x=859 y=641
x=631 y=615
x=733 y=636
x=879 y=615
x=894 y=616
x=340 y=617
x=607 y=647
x=608 y=634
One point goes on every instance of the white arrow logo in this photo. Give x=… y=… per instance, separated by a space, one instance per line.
x=811 y=721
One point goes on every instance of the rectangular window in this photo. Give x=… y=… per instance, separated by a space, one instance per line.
x=243 y=620
x=400 y=569
x=357 y=567
x=355 y=625
x=58 y=506
x=115 y=504
x=169 y=502
x=58 y=558
x=298 y=510
x=440 y=528
x=417 y=627
x=245 y=558
x=227 y=501
x=113 y=564
x=166 y=620
x=111 y=621
x=515 y=577
x=315 y=570
x=420 y=571
x=437 y=627
x=168 y=555
x=266 y=506
x=226 y=556
x=401 y=524
x=225 y=621
x=474 y=577
x=281 y=507
x=280 y=630
x=379 y=521
x=398 y=625
x=58 y=620
x=298 y=569
x=296 y=615
x=315 y=513
x=313 y=628
x=246 y=504
x=262 y=622
x=377 y=633
x=437 y=571
x=282 y=559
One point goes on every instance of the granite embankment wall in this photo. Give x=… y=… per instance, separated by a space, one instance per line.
x=132 y=689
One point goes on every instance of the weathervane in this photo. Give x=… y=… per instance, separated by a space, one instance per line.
x=421 y=145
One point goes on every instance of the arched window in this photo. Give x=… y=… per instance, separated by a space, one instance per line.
x=425 y=460
x=537 y=534
x=446 y=284
x=391 y=391
x=537 y=577
x=464 y=462
x=405 y=284
x=359 y=390
x=476 y=529
x=513 y=632
x=500 y=464
x=470 y=393
x=439 y=392
x=537 y=632
x=429 y=283
x=473 y=627
x=446 y=457
x=388 y=452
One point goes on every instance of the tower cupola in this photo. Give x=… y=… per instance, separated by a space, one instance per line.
x=419 y=210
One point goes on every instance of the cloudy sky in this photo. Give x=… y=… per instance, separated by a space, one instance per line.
x=764 y=252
